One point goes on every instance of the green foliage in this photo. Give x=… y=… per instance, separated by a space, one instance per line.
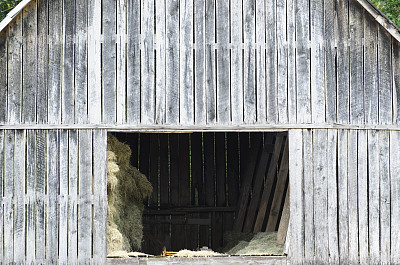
x=6 y=6
x=391 y=8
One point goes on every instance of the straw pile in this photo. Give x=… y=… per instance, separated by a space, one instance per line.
x=127 y=188
x=192 y=254
x=243 y=244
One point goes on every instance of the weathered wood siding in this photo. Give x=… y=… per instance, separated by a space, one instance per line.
x=193 y=63
x=53 y=213
x=344 y=197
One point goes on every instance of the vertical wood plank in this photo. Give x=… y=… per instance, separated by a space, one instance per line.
x=343 y=63
x=100 y=196
x=42 y=60
x=223 y=62
x=209 y=169
x=237 y=61
x=261 y=62
x=68 y=72
x=320 y=195
x=15 y=71
x=210 y=62
x=9 y=151
x=352 y=198
x=356 y=33
x=109 y=60
x=385 y=76
x=395 y=195
x=63 y=198
x=396 y=81
x=184 y=183
x=296 y=247
x=144 y=153
x=330 y=61
x=133 y=62
x=174 y=188
x=343 y=221
x=268 y=184
x=153 y=168
x=303 y=62
x=121 y=60
x=317 y=61
x=147 y=102
x=3 y=75
x=81 y=93
x=291 y=85
x=85 y=197
x=73 y=197
x=271 y=54
x=370 y=70
x=19 y=197
x=309 y=240
x=363 y=196
x=385 y=220
x=373 y=197
x=160 y=62
x=164 y=170
x=55 y=61
x=233 y=168
x=333 y=240
x=249 y=61
x=199 y=63
x=2 y=177
x=282 y=58
x=52 y=222
x=29 y=77
x=40 y=189
x=247 y=180
x=186 y=107
x=172 y=62
x=221 y=192
x=278 y=197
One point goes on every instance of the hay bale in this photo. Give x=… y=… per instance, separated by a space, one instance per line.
x=243 y=244
x=127 y=188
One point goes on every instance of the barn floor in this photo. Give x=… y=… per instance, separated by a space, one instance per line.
x=199 y=261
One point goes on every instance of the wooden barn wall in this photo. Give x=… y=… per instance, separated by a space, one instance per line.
x=204 y=62
x=49 y=206
x=345 y=196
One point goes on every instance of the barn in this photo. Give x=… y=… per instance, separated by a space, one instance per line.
x=324 y=74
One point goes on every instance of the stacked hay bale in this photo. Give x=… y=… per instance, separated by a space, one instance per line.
x=126 y=188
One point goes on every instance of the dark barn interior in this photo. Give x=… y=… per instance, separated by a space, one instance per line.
x=206 y=183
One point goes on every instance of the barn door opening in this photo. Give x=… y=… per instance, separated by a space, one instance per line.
x=225 y=191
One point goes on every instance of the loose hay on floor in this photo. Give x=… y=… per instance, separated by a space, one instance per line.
x=127 y=188
x=246 y=244
x=192 y=254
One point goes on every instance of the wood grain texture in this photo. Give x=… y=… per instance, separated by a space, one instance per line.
x=73 y=161
x=352 y=199
x=42 y=59
x=362 y=168
x=395 y=195
x=186 y=111
x=121 y=59
x=396 y=82
x=100 y=200
x=356 y=33
x=3 y=76
x=308 y=201
x=296 y=248
x=19 y=188
x=52 y=222
x=81 y=92
x=63 y=198
x=260 y=10
x=333 y=232
x=8 y=210
x=85 y=197
x=2 y=177
x=343 y=210
x=385 y=220
x=160 y=62
x=373 y=196
x=15 y=71
x=385 y=76
x=211 y=94
x=133 y=63
x=147 y=101
x=109 y=54
x=68 y=89
x=29 y=77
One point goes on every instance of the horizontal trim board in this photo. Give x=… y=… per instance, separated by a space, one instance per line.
x=198 y=128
